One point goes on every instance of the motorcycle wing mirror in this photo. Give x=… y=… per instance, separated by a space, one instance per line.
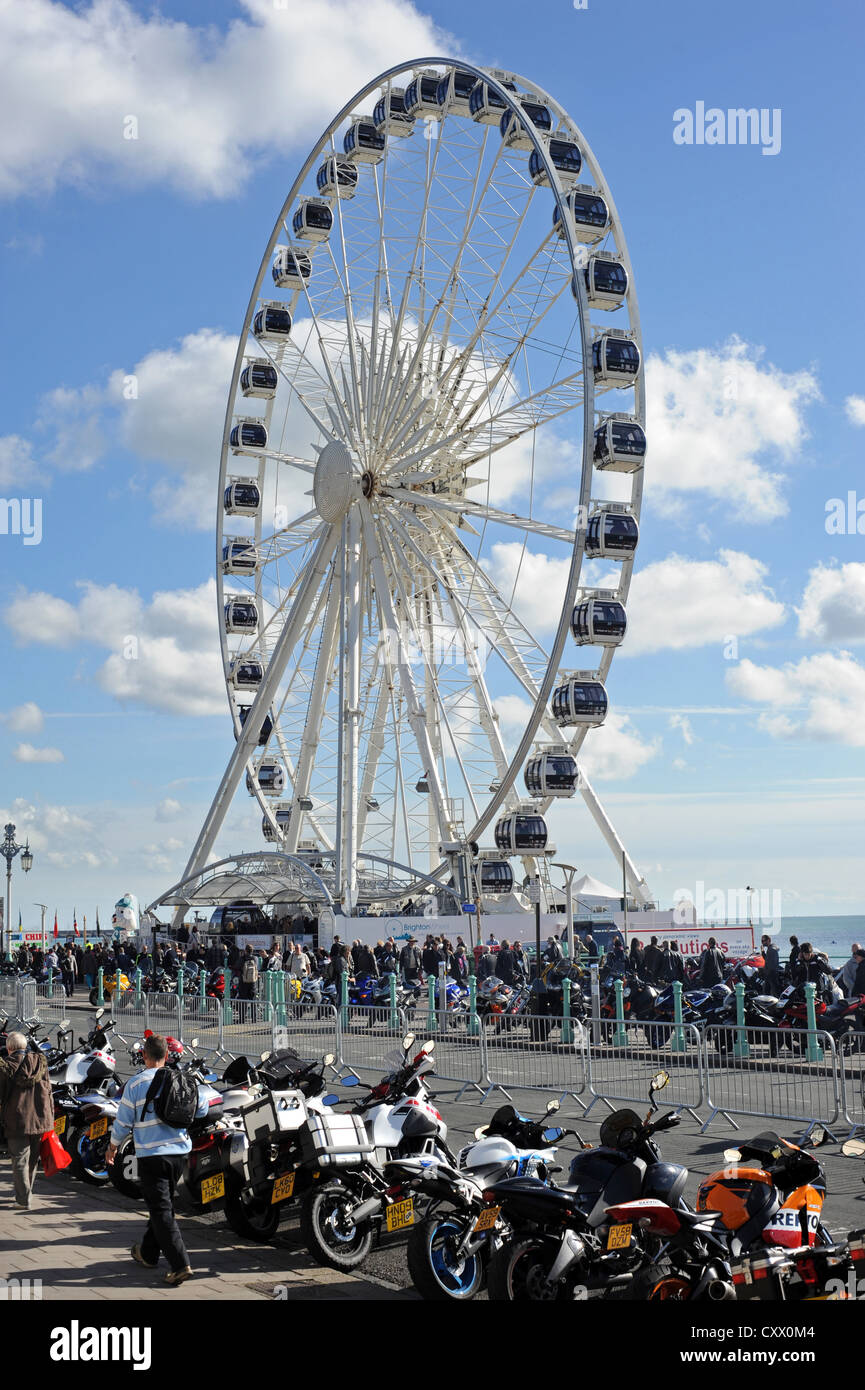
x=732 y=1155
x=659 y=1081
x=99 y=1013
x=328 y=1059
x=551 y=1135
x=429 y=1046
x=194 y=1042
x=407 y=1041
x=263 y=1056
x=349 y=1080
x=481 y=1130
x=817 y=1137
x=64 y=1025
x=553 y=1106
x=330 y=1099
x=853 y=1148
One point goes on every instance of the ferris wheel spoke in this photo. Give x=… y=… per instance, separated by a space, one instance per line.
x=311 y=736
x=374 y=749
x=462 y=506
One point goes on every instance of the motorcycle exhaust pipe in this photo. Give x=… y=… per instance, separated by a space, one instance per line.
x=721 y=1292
x=367 y=1208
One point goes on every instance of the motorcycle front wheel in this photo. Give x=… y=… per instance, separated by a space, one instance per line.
x=436 y=1272
x=328 y=1231
x=518 y=1274
x=252 y=1217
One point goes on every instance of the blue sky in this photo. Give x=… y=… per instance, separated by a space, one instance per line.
x=730 y=763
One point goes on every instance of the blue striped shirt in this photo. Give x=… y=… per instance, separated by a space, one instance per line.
x=152 y=1138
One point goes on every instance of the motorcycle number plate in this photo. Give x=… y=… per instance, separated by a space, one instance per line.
x=97 y=1128
x=619 y=1237
x=400 y=1215
x=211 y=1188
x=487 y=1219
x=60 y=1125
x=282 y=1188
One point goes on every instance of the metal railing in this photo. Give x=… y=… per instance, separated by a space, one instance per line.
x=629 y=1054
x=851 y=1052
x=756 y=1071
x=535 y=1052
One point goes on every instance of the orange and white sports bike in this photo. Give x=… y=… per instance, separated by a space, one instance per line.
x=770 y=1195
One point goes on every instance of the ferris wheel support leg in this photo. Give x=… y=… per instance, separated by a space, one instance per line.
x=350 y=715
x=263 y=700
x=636 y=883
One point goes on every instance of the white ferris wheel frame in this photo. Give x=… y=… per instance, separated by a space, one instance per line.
x=358 y=524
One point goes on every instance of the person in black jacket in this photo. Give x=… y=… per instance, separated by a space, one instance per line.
x=409 y=961
x=675 y=967
x=431 y=958
x=505 y=963
x=636 y=956
x=859 y=978
x=651 y=961
x=711 y=965
x=365 y=961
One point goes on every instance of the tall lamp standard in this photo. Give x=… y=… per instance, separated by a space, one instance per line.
x=9 y=849
x=44 y=908
x=569 y=872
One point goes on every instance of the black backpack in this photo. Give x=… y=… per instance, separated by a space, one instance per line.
x=174 y=1097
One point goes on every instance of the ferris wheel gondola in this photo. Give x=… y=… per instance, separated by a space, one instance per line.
x=377 y=476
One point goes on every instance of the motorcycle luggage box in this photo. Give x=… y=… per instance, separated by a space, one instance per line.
x=259 y=1117
x=334 y=1141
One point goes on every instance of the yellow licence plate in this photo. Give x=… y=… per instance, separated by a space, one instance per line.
x=211 y=1188
x=60 y=1125
x=97 y=1128
x=487 y=1219
x=400 y=1215
x=619 y=1237
x=282 y=1188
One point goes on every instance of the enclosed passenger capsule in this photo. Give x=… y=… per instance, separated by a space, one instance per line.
x=313 y=220
x=240 y=615
x=363 y=143
x=606 y=281
x=291 y=268
x=620 y=444
x=242 y=497
x=282 y=816
x=270 y=778
x=246 y=672
x=238 y=556
x=266 y=728
x=494 y=876
x=565 y=157
x=553 y=773
x=521 y=832
x=272 y=321
x=599 y=621
x=455 y=91
x=421 y=94
x=248 y=434
x=615 y=359
x=259 y=378
x=337 y=177
x=582 y=699
x=390 y=115
x=485 y=104
x=514 y=130
x=612 y=534
x=589 y=214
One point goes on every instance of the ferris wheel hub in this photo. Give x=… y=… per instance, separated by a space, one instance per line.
x=334 y=485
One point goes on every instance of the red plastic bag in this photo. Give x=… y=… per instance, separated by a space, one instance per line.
x=54 y=1156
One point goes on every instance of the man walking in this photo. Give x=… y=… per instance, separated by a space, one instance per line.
x=711 y=965
x=159 y=1149
x=26 y=1110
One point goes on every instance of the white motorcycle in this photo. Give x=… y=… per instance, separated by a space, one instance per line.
x=86 y=1091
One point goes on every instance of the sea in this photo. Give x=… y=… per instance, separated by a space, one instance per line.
x=833 y=935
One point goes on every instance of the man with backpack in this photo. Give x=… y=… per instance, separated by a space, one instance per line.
x=156 y=1107
x=248 y=975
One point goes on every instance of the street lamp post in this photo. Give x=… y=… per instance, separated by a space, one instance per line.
x=569 y=872
x=9 y=849
x=44 y=908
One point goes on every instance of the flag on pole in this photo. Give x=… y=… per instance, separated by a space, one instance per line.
x=75 y=922
x=85 y=929
x=20 y=928
x=56 y=932
x=98 y=928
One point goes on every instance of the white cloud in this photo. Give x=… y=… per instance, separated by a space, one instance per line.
x=854 y=408
x=26 y=753
x=540 y=583
x=616 y=750
x=678 y=603
x=208 y=106
x=168 y=809
x=18 y=468
x=833 y=604
x=719 y=423
x=163 y=654
x=25 y=719
x=683 y=724
x=514 y=714
x=826 y=694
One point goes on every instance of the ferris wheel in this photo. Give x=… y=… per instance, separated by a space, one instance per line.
x=430 y=485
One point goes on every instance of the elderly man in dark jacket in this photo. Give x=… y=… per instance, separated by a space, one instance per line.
x=27 y=1111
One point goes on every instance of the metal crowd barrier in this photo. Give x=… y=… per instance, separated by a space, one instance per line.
x=535 y=1053
x=851 y=1053
x=621 y=1066
x=367 y=1033
x=748 y=1073
x=311 y=1030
